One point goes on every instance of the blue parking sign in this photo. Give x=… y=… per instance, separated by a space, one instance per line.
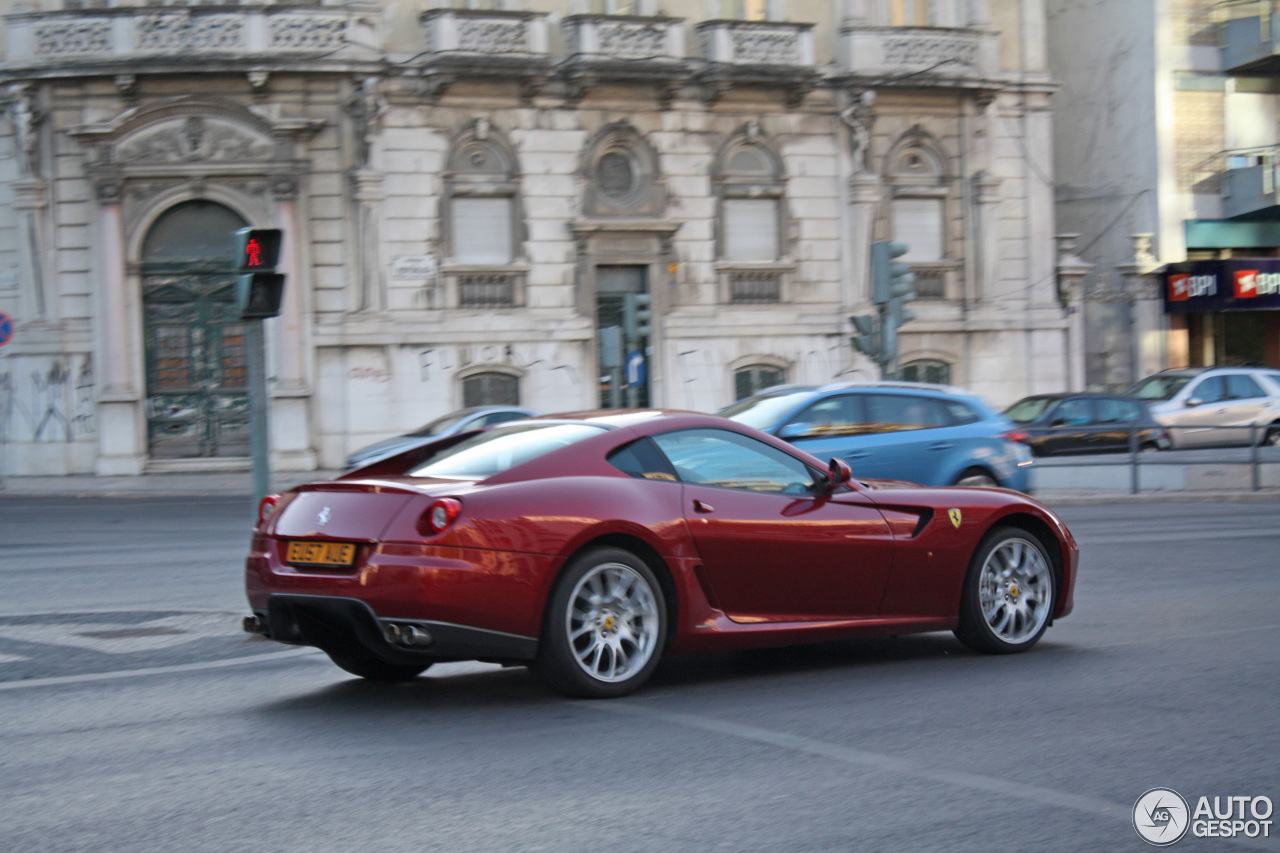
x=635 y=369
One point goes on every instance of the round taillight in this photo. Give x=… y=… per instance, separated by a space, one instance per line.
x=442 y=513
x=265 y=507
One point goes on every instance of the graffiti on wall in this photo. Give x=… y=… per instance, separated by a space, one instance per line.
x=47 y=399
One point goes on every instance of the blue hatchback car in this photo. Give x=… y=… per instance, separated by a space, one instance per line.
x=933 y=435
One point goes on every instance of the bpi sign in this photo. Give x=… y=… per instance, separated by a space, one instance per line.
x=1236 y=284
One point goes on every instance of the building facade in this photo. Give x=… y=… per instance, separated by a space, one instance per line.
x=1166 y=145
x=479 y=205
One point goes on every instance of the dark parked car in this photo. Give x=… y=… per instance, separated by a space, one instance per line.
x=463 y=420
x=1085 y=423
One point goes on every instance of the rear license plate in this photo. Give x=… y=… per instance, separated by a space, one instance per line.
x=336 y=554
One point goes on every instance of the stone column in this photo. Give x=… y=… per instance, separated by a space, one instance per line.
x=865 y=193
x=1071 y=272
x=986 y=197
x=367 y=187
x=1148 y=326
x=289 y=373
x=122 y=426
x=30 y=198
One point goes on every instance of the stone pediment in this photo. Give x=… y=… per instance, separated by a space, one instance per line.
x=194 y=139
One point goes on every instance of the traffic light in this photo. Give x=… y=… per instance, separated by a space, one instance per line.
x=259 y=287
x=867 y=340
x=636 y=317
x=885 y=270
x=901 y=291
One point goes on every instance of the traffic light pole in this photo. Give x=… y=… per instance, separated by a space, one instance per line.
x=256 y=357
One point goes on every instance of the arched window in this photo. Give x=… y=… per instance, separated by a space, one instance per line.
x=491 y=389
x=920 y=186
x=481 y=220
x=755 y=378
x=927 y=370
x=749 y=184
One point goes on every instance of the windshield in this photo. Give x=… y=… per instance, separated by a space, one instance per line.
x=439 y=425
x=1158 y=387
x=1026 y=411
x=763 y=412
x=502 y=448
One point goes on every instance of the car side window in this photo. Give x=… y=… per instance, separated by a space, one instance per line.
x=1113 y=411
x=898 y=412
x=501 y=417
x=1211 y=389
x=719 y=457
x=641 y=460
x=1078 y=412
x=839 y=415
x=1242 y=387
x=960 y=413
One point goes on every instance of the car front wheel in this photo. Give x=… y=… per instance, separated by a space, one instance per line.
x=605 y=626
x=1008 y=594
x=976 y=477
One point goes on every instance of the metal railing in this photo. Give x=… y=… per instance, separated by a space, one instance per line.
x=1255 y=453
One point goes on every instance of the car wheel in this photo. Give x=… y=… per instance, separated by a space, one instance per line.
x=605 y=626
x=1272 y=438
x=1149 y=447
x=1008 y=594
x=977 y=477
x=373 y=669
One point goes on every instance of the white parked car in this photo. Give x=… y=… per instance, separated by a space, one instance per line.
x=1210 y=406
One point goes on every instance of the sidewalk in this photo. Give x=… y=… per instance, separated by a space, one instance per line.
x=240 y=483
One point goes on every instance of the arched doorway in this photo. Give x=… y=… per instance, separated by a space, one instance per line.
x=197 y=402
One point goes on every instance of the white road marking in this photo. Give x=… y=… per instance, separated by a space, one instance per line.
x=157 y=670
x=115 y=638
x=891 y=764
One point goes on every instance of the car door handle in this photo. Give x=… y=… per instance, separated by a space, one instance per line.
x=942 y=445
x=863 y=455
x=702 y=506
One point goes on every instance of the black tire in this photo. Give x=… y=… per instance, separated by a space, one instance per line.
x=979 y=478
x=374 y=669
x=1271 y=438
x=1149 y=447
x=1007 y=593
x=631 y=624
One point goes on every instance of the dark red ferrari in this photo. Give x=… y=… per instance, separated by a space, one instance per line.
x=589 y=545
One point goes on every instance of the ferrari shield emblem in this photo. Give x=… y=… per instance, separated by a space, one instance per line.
x=954 y=515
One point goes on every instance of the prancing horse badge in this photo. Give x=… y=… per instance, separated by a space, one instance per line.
x=954 y=515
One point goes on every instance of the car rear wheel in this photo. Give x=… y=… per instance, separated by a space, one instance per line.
x=976 y=477
x=373 y=669
x=1149 y=447
x=605 y=626
x=1272 y=438
x=1008 y=594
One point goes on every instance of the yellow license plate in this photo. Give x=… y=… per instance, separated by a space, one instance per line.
x=321 y=553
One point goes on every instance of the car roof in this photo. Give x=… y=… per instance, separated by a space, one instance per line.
x=891 y=385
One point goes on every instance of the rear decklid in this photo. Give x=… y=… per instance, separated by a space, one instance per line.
x=357 y=510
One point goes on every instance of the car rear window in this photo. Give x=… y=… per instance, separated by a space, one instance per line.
x=1158 y=387
x=640 y=459
x=762 y=412
x=502 y=448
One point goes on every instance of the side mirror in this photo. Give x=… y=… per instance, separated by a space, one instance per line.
x=838 y=474
x=793 y=430
x=1057 y=422
x=1192 y=402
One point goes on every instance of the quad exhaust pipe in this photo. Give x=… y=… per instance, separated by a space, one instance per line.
x=409 y=636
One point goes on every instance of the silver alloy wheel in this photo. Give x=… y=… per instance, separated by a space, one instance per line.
x=978 y=479
x=612 y=622
x=1272 y=438
x=1015 y=590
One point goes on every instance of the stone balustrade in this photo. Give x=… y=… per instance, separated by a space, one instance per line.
x=955 y=54
x=756 y=43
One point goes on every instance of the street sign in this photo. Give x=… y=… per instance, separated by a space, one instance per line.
x=6 y=328
x=636 y=369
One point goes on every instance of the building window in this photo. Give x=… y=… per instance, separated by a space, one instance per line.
x=482 y=193
x=748 y=180
x=755 y=378
x=918 y=212
x=751 y=10
x=924 y=13
x=491 y=389
x=927 y=370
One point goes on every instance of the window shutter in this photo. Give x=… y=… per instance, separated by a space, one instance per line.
x=481 y=229
x=918 y=223
x=750 y=230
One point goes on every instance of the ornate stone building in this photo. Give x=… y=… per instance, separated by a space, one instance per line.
x=471 y=198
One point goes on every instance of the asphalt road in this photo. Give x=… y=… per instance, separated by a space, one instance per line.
x=135 y=717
